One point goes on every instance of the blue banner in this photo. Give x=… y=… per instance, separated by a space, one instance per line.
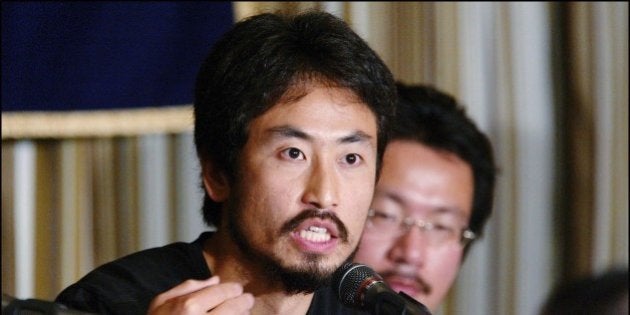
x=101 y=55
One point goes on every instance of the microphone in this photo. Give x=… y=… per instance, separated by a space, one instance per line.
x=360 y=287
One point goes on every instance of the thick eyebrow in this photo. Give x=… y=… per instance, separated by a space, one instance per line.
x=287 y=131
x=293 y=132
x=357 y=136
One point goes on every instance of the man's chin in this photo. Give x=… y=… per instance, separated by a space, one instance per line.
x=431 y=301
x=305 y=277
x=308 y=272
x=323 y=264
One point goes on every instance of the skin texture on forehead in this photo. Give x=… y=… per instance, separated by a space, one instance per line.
x=435 y=181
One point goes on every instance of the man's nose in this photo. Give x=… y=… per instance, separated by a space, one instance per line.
x=411 y=247
x=322 y=186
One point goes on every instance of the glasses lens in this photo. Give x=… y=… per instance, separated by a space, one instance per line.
x=384 y=225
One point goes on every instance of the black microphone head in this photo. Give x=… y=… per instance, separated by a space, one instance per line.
x=349 y=283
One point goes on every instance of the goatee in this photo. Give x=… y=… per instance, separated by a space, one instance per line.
x=304 y=278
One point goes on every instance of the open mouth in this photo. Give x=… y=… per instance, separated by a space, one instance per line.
x=315 y=234
x=317 y=230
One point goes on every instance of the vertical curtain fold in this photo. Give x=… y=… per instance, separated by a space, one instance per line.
x=126 y=196
x=46 y=241
x=9 y=272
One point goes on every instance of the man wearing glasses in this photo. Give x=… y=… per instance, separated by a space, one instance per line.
x=433 y=197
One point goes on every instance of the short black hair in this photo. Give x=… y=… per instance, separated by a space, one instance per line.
x=437 y=120
x=264 y=57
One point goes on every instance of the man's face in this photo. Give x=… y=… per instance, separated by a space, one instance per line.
x=427 y=185
x=306 y=182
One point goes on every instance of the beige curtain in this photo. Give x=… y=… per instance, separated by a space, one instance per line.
x=546 y=81
x=70 y=204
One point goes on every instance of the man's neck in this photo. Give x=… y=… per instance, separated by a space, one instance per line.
x=225 y=259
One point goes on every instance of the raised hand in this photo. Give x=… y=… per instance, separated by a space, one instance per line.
x=203 y=297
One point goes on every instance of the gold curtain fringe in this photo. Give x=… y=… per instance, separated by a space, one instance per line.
x=97 y=123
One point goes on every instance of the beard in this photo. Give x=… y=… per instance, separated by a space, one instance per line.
x=304 y=278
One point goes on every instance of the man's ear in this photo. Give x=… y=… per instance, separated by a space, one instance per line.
x=215 y=182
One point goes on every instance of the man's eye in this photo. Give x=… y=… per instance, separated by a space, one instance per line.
x=443 y=228
x=385 y=216
x=352 y=158
x=293 y=154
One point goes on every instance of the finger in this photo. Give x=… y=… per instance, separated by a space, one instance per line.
x=237 y=305
x=199 y=301
x=184 y=288
x=217 y=294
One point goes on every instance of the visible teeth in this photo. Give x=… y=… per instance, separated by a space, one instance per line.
x=317 y=229
x=315 y=234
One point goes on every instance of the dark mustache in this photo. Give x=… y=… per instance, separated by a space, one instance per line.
x=315 y=213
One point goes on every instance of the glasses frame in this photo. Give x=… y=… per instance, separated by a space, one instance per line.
x=466 y=235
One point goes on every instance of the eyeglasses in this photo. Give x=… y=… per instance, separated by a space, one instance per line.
x=382 y=225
